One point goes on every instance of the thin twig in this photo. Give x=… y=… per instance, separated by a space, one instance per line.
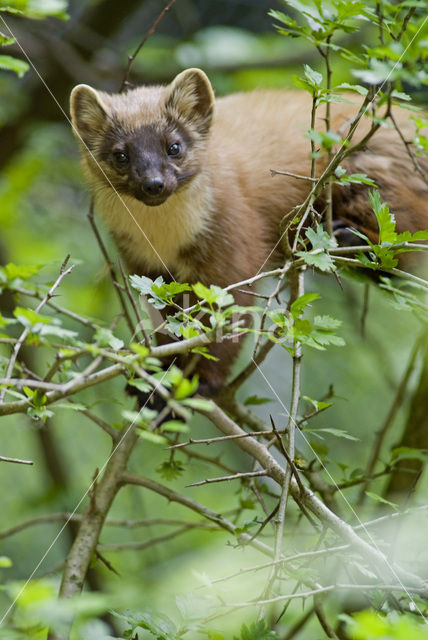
x=149 y=33
x=274 y=172
x=236 y=476
x=407 y=17
x=110 y=267
x=15 y=460
x=140 y=322
x=208 y=441
x=322 y=618
x=408 y=147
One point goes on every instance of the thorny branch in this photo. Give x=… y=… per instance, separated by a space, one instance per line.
x=282 y=472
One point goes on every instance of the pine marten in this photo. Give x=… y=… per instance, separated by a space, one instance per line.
x=183 y=181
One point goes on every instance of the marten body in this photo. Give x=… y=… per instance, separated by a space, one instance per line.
x=184 y=183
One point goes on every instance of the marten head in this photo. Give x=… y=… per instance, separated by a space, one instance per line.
x=147 y=142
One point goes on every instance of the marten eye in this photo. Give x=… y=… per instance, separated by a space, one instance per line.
x=121 y=157
x=174 y=149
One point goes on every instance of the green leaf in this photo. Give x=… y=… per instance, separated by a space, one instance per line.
x=320 y=239
x=213 y=294
x=301 y=303
x=20 y=67
x=21 y=272
x=321 y=260
x=186 y=388
x=39 y=413
x=170 y=470
x=326 y=323
x=354 y=178
x=318 y=405
x=54 y=330
x=257 y=631
x=313 y=78
x=150 y=436
x=318 y=257
x=140 y=384
x=175 y=426
x=409 y=453
x=377 y=498
x=5 y=562
x=353 y=87
x=157 y=624
x=200 y=404
x=167 y=291
x=256 y=400
x=72 y=406
x=326 y=139
x=385 y=219
x=37 y=8
x=30 y=318
x=400 y=95
x=106 y=338
x=145 y=286
x=6 y=40
x=5 y=321
x=142 y=417
x=140 y=350
x=339 y=433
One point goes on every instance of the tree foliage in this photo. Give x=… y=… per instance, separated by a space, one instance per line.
x=294 y=506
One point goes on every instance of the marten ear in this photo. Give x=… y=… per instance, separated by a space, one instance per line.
x=88 y=113
x=191 y=97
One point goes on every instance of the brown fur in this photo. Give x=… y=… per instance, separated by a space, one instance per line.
x=219 y=209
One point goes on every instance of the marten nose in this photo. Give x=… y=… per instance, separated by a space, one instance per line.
x=153 y=186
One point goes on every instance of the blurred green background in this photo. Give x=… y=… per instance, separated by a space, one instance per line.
x=43 y=217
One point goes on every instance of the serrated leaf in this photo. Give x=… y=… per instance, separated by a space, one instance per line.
x=327 y=323
x=385 y=219
x=170 y=470
x=320 y=239
x=313 y=77
x=143 y=284
x=29 y=317
x=157 y=624
x=257 y=631
x=106 y=338
x=322 y=260
x=302 y=302
x=213 y=295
